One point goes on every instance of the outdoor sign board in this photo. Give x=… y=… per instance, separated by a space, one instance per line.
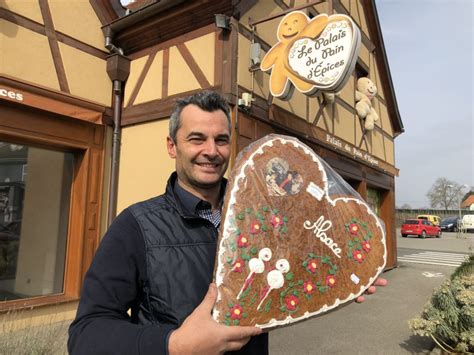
x=312 y=55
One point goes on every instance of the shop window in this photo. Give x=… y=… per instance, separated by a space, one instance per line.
x=35 y=191
x=360 y=72
x=51 y=173
x=374 y=199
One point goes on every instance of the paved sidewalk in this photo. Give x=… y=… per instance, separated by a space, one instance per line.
x=377 y=326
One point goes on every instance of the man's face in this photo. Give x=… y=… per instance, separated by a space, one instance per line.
x=202 y=147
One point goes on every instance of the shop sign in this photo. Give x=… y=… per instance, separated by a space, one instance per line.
x=8 y=93
x=312 y=55
x=352 y=150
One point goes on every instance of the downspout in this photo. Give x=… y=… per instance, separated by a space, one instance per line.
x=118 y=69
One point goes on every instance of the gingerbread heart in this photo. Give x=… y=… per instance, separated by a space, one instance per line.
x=295 y=240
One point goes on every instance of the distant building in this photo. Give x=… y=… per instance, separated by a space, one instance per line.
x=468 y=202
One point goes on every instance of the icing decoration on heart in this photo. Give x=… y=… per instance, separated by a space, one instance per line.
x=312 y=55
x=295 y=240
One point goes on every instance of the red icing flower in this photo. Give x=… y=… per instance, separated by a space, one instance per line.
x=291 y=302
x=312 y=265
x=238 y=265
x=353 y=228
x=358 y=256
x=255 y=227
x=330 y=280
x=242 y=241
x=308 y=287
x=276 y=221
x=236 y=312
x=366 y=246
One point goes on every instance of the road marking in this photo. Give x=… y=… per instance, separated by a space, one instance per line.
x=434 y=258
x=431 y=274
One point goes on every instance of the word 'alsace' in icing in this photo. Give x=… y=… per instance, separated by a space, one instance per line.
x=320 y=227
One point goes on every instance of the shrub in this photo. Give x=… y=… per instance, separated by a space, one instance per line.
x=448 y=317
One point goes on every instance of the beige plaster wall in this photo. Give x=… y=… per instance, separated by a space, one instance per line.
x=136 y=68
x=203 y=51
x=29 y=9
x=385 y=120
x=181 y=78
x=78 y=20
x=344 y=124
x=86 y=75
x=151 y=88
x=389 y=150
x=144 y=163
x=377 y=144
x=348 y=92
x=23 y=52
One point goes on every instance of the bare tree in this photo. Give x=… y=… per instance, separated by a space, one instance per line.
x=445 y=193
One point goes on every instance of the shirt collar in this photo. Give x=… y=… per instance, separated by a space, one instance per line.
x=190 y=203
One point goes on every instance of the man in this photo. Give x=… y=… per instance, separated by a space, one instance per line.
x=157 y=258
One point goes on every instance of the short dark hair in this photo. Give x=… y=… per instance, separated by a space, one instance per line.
x=206 y=100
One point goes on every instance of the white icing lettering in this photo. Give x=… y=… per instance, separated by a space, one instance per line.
x=320 y=227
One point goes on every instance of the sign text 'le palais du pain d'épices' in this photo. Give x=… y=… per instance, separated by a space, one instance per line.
x=312 y=55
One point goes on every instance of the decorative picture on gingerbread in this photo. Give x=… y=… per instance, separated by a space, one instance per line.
x=312 y=55
x=280 y=180
x=290 y=247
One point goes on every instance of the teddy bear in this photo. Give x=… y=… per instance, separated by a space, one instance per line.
x=366 y=90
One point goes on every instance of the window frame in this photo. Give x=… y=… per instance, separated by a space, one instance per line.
x=29 y=126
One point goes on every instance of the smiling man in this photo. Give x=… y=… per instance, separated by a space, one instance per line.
x=157 y=258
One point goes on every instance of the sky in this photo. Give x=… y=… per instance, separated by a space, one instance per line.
x=429 y=45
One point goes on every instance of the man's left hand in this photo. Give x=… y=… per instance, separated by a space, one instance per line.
x=372 y=289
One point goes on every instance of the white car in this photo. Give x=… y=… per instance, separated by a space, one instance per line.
x=467 y=222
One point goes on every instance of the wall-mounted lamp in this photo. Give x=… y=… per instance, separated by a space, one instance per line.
x=255 y=54
x=222 y=21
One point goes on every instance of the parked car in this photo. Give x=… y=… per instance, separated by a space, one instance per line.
x=420 y=227
x=467 y=222
x=430 y=217
x=449 y=224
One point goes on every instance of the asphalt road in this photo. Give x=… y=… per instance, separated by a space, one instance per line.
x=380 y=324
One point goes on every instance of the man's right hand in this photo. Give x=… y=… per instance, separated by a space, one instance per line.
x=201 y=334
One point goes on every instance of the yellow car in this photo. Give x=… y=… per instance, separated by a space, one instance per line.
x=430 y=217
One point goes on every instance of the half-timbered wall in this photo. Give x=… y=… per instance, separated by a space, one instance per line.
x=339 y=120
x=55 y=44
x=55 y=94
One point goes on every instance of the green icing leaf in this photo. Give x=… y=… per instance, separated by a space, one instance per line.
x=236 y=322
x=244 y=315
x=285 y=219
x=283 y=308
x=267 y=306
x=289 y=276
x=253 y=250
x=227 y=314
x=241 y=216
